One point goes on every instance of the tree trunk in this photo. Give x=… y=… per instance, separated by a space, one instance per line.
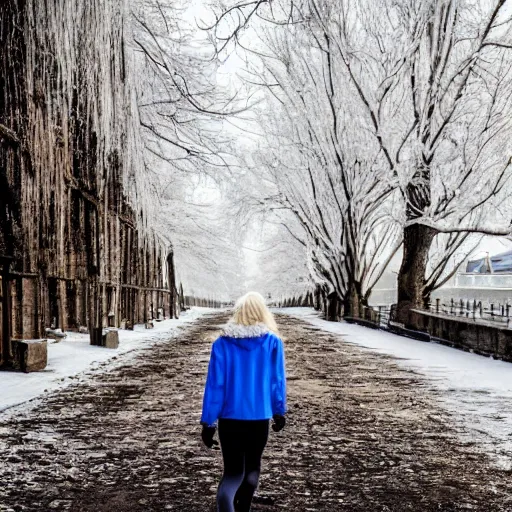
x=174 y=306
x=333 y=307
x=411 y=277
x=318 y=298
x=181 y=299
x=354 y=301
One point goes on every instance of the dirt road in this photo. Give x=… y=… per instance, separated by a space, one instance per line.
x=362 y=435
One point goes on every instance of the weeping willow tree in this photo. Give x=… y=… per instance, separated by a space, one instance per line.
x=75 y=215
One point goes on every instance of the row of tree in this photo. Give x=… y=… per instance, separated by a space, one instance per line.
x=381 y=125
x=189 y=155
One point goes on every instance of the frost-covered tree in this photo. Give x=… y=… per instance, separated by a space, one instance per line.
x=181 y=104
x=435 y=80
x=207 y=239
x=277 y=262
x=324 y=169
x=431 y=81
x=182 y=110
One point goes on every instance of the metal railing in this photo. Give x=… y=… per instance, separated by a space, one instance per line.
x=378 y=316
x=477 y=311
x=474 y=310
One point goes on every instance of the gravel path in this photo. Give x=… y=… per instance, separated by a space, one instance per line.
x=363 y=435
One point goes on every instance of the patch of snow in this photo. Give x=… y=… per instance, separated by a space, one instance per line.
x=475 y=390
x=73 y=356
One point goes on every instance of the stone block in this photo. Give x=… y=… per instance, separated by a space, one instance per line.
x=416 y=321
x=126 y=324
x=505 y=345
x=55 y=334
x=467 y=334
x=32 y=355
x=110 y=339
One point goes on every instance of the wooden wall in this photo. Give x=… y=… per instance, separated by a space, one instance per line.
x=72 y=211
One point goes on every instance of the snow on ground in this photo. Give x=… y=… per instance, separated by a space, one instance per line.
x=476 y=390
x=71 y=357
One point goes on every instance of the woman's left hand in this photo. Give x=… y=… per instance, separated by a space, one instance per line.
x=279 y=422
x=207 y=436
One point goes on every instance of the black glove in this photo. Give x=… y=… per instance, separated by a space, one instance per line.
x=207 y=436
x=279 y=422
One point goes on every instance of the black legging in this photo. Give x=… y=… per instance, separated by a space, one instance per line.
x=242 y=444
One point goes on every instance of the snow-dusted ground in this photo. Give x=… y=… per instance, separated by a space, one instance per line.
x=70 y=358
x=476 y=390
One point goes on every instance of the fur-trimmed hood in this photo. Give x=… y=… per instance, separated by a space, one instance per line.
x=247 y=337
x=232 y=330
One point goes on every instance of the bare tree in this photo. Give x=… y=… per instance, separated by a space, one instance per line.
x=181 y=105
x=277 y=263
x=184 y=113
x=323 y=168
x=433 y=81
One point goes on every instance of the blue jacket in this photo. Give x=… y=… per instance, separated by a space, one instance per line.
x=246 y=376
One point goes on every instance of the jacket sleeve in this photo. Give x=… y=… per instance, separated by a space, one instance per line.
x=278 y=379
x=213 y=399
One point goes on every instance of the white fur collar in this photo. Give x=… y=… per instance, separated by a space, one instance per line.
x=233 y=330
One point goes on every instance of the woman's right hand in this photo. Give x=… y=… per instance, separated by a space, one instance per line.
x=279 y=422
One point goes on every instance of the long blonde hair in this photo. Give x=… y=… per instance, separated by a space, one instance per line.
x=251 y=309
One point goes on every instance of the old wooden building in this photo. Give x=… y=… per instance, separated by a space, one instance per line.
x=75 y=245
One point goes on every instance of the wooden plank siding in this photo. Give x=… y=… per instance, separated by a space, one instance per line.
x=71 y=215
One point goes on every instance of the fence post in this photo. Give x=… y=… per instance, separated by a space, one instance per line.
x=451 y=306
x=438 y=300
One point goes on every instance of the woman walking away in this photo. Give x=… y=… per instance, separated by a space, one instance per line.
x=245 y=387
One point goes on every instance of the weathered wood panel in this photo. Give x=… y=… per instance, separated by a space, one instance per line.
x=70 y=209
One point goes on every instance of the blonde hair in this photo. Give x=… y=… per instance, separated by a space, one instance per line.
x=251 y=310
